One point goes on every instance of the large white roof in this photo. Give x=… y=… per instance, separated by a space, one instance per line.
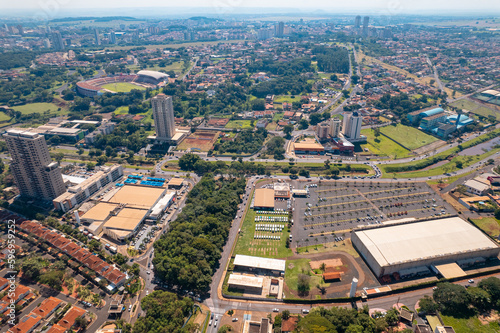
x=259 y=262
x=156 y=75
x=395 y=244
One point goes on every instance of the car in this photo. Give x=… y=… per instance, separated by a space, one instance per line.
x=148 y=272
x=235 y=319
x=471 y=281
x=276 y=310
x=434 y=288
x=130 y=307
x=305 y=311
x=210 y=323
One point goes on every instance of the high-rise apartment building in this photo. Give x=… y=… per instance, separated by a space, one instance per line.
x=163 y=114
x=112 y=37
x=366 y=20
x=352 y=125
x=357 y=22
x=322 y=130
x=280 y=29
x=334 y=127
x=35 y=173
x=97 y=38
x=57 y=41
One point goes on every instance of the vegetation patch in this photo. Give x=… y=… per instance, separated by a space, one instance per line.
x=409 y=137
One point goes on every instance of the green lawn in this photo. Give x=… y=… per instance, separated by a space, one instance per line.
x=239 y=124
x=287 y=98
x=383 y=146
x=38 y=107
x=121 y=110
x=475 y=108
x=247 y=245
x=278 y=116
x=409 y=137
x=4 y=117
x=470 y=325
x=301 y=266
x=490 y=225
x=441 y=170
x=124 y=87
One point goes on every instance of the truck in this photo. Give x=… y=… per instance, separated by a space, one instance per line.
x=112 y=249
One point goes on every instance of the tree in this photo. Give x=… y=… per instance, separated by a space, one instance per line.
x=492 y=286
x=461 y=189
x=285 y=314
x=428 y=305
x=452 y=298
x=80 y=151
x=392 y=316
x=355 y=79
x=303 y=124
x=459 y=164
x=304 y=173
x=497 y=214
x=58 y=157
x=479 y=298
x=288 y=129
x=314 y=323
x=188 y=161
x=303 y=284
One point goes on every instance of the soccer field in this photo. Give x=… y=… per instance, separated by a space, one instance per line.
x=121 y=87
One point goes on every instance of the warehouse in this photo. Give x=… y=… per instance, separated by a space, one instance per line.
x=264 y=199
x=413 y=247
x=259 y=265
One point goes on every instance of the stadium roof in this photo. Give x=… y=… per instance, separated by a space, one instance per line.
x=414 y=241
x=259 y=262
x=264 y=197
x=154 y=74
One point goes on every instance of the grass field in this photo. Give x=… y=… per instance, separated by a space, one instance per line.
x=441 y=170
x=239 y=124
x=490 y=225
x=4 y=117
x=247 y=245
x=38 y=107
x=475 y=108
x=383 y=146
x=345 y=246
x=122 y=87
x=301 y=266
x=286 y=98
x=470 y=325
x=409 y=137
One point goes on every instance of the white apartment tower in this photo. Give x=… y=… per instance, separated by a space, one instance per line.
x=335 y=127
x=163 y=114
x=352 y=125
x=35 y=173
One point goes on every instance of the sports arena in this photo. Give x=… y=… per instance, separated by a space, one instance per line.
x=121 y=83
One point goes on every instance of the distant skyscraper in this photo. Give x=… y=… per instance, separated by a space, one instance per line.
x=57 y=41
x=46 y=43
x=352 y=125
x=265 y=34
x=335 y=127
x=280 y=29
x=35 y=173
x=112 y=37
x=163 y=114
x=366 y=20
x=20 y=30
x=96 y=35
x=357 y=22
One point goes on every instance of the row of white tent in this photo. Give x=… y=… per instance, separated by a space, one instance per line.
x=272 y=212
x=256 y=236
x=271 y=219
x=269 y=227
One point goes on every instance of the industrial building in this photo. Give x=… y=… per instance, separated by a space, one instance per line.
x=258 y=265
x=413 y=248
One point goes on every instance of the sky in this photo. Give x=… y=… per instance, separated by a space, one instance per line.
x=440 y=7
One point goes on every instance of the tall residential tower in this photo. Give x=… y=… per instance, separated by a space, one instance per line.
x=163 y=114
x=352 y=125
x=35 y=173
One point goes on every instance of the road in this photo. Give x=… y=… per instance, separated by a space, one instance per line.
x=436 y=75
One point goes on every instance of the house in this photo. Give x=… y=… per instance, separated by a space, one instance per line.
x=71 y=316
x=47 y=307
x=27 y=324
x=289 y=325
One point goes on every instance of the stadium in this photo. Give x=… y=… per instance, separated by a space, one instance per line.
x=416 y=248
x=121 y=83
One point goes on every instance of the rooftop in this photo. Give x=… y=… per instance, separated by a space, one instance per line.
x=246 y=281
x=264 y=197
x=99 y=212
x=126 y=219
x=137 y=196
x=259 y=262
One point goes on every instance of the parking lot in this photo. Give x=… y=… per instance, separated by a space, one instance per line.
x=335 y=207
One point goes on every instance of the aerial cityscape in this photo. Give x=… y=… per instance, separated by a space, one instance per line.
x=255 y=168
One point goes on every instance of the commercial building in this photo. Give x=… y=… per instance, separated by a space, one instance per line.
x=33 y=170
x=282 y=190
x=260 y=265
x=352 y=125
x=264 y=199
x=78 y=193
x=163 y=114
x=308 y=148
x=411 y=248
x=249 y=284
x=476 y=187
